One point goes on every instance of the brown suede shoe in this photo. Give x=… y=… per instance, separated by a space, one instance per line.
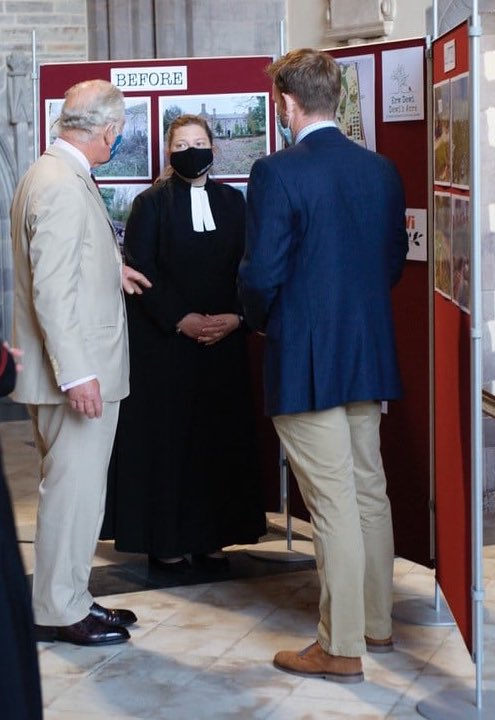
x=313 y=661
x=379 y=646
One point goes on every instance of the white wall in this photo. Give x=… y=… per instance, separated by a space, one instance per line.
x=306 y=21
x=410 y=19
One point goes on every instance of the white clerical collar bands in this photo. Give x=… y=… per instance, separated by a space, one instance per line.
x=202 y=219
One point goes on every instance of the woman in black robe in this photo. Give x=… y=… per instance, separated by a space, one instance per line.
x=20 y=692
x=184 y=476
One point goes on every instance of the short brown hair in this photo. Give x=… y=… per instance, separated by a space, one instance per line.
x=312 y=77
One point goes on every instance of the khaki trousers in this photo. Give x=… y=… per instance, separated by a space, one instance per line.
x=75 y=453
x=335 y=456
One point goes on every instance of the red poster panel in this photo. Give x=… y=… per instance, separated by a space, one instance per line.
x=452 y=324
x=234 y=95
x=405 y=427
x=231 y=93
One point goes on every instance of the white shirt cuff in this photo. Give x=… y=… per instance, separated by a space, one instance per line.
x=75 y=383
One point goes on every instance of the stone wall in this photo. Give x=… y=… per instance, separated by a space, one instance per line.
x=60 y=35
x=184 y=28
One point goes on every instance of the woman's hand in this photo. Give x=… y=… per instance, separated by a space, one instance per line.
x=208 y=329
x=192 y=325
x=217 y=327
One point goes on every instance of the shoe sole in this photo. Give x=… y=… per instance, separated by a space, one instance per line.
x=380 y=649
x=52 y=637
x=117 y=641
x=333 y=677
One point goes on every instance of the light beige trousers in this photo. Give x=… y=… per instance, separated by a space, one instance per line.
x=75 y=453
x=335 y=456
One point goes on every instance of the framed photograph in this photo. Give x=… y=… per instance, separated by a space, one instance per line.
x=119 y=199
x=443 y=244
x=459 y=93
x=460 y=252
x=442 y=134
x=133 y=159
x=239 y=123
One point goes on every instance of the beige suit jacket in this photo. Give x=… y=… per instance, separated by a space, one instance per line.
x=69 y=313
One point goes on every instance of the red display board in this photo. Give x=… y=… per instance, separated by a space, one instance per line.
x=231 y=93
x=214 y=87
x=452 y=328
x=405 y=427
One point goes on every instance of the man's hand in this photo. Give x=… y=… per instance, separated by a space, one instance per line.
x=17 y=354
x=133 y=281
x=86 y=399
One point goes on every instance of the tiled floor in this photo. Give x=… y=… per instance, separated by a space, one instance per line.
x=204 y=651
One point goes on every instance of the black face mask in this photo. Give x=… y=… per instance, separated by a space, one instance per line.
x=193 y=162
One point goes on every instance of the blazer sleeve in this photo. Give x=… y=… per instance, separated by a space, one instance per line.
x=57 y=221
x=269 y=237
x=145 y=250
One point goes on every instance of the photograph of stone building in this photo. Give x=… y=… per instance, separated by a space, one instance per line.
x=237 y=121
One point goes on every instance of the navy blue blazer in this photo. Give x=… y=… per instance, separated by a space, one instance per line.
x=326 y=241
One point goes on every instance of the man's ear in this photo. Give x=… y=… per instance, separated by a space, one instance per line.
x=109 y=134
x=290 y=103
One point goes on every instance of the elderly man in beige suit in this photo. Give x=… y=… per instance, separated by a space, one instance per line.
x=69 y=317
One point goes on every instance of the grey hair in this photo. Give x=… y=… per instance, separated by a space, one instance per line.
x=91 y=105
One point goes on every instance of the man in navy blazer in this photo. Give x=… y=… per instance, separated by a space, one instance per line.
x=326 y=241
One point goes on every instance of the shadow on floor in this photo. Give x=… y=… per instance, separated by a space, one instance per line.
x=136 y=574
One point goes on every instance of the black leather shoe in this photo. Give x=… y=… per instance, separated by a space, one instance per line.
x=123 y=618
x=88 y=631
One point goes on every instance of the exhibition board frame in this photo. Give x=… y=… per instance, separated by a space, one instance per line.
x=458 y=366
x=452 y=340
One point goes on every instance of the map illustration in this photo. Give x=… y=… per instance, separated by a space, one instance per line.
x=349 y=114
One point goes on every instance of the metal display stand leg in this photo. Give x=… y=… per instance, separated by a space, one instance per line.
x=287 y=550
x=457 y=705
x=417 y=611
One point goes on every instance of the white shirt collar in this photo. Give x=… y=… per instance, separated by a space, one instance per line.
x=314 y=126
x=74 y=152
